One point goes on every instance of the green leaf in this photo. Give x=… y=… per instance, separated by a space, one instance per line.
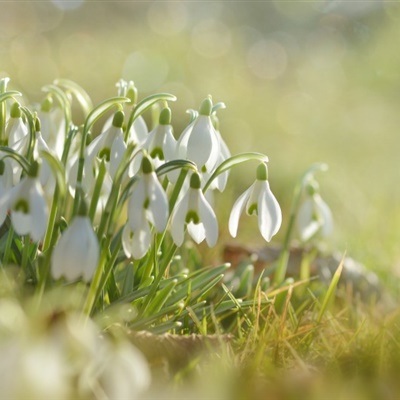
x=146 y=103
x=232 y=162
x=101 y=109
x=81 y=95
x=309 y=173
x=331 y=290
x=175 y=164
x=16 y=156
x=9 y=95
x=159 y=299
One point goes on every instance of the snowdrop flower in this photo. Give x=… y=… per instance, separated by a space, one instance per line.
x=6 y=181
x=259 y=200
x=314 y=216
x=221 y=180
x=109 y=145
x=29 y=211
x=199 y=142
x=52 y=126
x=16 y=128
x=138 y=131
x=148 y=203
x=77 y=252
x=160 y=142
x=124 y=372
x=194 y=211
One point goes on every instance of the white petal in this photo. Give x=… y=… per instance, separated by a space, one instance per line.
x=178 y=219
x=138 y=132
x=209 y=220
x=237 y=210
x=77 y=251
x=169 y=144
x=141 y=240
x=21 y=222
x=158 y=207
x=39 y=212
x=135 y=207
x=117 y=152
x=325 y=213
x=183 y=140
x=269 y=213
x=196 y=231
x=200 y=142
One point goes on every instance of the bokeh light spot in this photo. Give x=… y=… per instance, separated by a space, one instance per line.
x=267 y=59
x=67 y=4
x=149 y=71
x=211 y=38
x=167 y=18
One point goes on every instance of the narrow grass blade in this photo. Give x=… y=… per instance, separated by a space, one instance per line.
x=331 y=290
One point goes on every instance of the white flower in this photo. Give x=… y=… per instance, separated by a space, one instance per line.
x=259 y=200
x=16 y=128
x=194 y=211
x=77 y=252
x=52 y=126
x=109 y=145
x=314 y=216
x=124 y=372
x=148 y=203
x=160 y=142
x=199 y=142
x=29 y=211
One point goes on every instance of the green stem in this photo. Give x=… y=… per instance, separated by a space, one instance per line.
x=177 y=189
x=25 y=253
x=7 y=250
x=3 y=88
x=52 y=220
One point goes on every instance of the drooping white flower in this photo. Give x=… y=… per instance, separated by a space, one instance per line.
x=259 y=200
x=160 y=142
x=6 y=182
x=29 y=211
x=52 y=126
x=194 y=212
x=109 y=145
x=138 y=131
x=16 y=128
x=123 y=372
x=199 y=142
x=77 y=252
x=148 y=203
x=314 y=217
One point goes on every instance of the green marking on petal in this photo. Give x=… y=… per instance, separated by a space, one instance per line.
x=157 y=152
x=253 y=209
x=105 y=153
x=22 y=206
x=192 y=216
x=146 y=203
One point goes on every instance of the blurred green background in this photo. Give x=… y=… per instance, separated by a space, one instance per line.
x=303 y=82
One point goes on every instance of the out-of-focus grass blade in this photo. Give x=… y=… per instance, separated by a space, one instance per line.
x=331 y=290
x=81 y=95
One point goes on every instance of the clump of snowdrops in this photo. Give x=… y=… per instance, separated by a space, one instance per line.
x=108 y=214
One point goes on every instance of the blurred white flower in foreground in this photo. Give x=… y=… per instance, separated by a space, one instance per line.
x=194 y=211
x=314 y=217
x=77 y=252
x=259 y=200
x=58 y=355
